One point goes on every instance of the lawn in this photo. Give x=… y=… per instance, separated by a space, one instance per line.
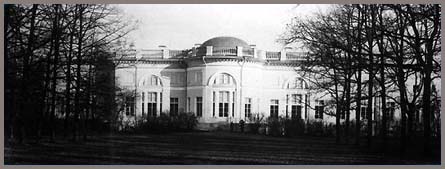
x=198 y=148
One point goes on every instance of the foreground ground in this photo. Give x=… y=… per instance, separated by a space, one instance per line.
x=199 y=148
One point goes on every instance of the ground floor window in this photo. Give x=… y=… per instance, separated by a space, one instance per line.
x=143 y=104
x=160 y=102
x=248 y=108
x=296 y=111
x=319 y=109
x=199 y=106
x=214 y=103
x=151 y=105
x=391 y=108
x=363 y=112
x=274 y=108
x=296 y=108
x=188 y=104
x=223 y=104
x=233 y=104
x=129 y=106
x=174 y=106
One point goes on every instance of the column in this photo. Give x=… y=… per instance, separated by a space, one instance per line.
x=165 y=100
x=239 y=51
x=283 y=54
x=216 y=103
x=230 y=104
x=288 y=110
x=158 y=103
x=165 y=53
x=209 y=50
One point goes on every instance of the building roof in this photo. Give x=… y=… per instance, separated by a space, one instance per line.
x=225 y=41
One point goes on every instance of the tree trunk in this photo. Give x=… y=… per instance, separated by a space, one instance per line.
x=68 y=78
x=56 y=44
x=78 y=75
x=371 y=77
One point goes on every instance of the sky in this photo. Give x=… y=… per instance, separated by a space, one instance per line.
x=180 y=26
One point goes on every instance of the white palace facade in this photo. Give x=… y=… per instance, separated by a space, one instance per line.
x=222 y=80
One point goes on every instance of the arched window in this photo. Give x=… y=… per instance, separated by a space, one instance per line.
x=152 y=81
x=296 y=83
x=223 y=79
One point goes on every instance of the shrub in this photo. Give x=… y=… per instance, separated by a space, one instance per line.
x=275 y=126
x=314 y=128
x=294 y=127
x=165 y=123
x=255 y=122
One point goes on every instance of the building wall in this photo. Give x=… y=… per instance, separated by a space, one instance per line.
x=255 y=80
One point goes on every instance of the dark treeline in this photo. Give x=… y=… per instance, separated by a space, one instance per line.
x=56 y=82
x=367 y=53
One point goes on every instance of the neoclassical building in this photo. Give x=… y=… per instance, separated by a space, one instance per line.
x=221 y=80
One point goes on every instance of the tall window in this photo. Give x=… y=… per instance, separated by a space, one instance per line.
x=248 y=107
x=188 y=104
x=363 y=109
x=214 y=103
x=199 y=106
x=274 y=108
x=319 y=109
x=233 y=104
x=129 y=106
x=391 y=108
x=174 y=104
x=160 y=102
x=143 y=104
x=223 y=104
x=296 y=108
x=151 y=105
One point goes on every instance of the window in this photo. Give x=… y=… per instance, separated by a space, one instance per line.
x=248 y=107
x=188 y=104
x=154 y=81
x=274 y=108
x=214 y=103
x=296 y=111
x=199 y=106
x=127 y=109
x=223 y=103
x=296 y=108
x=364 y=109
x=233 y=104
x=296 y=99
x=129 y=106
x=363 y=112
x=319 y=109
x=297 y=83
x=223 y=79
x=143 y=104
x=198 y=77
x=174 y=102
x=391 y=108
x=151 y=105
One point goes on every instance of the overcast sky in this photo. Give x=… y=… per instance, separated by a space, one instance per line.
x=182 y=26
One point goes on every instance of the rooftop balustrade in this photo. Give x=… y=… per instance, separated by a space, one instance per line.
x=211 y=51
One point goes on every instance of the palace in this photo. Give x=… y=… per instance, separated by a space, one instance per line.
x=222 y=80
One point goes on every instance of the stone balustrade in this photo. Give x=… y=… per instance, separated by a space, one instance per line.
x=165 y=53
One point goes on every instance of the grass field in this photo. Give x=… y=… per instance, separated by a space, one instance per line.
x=200 y=148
